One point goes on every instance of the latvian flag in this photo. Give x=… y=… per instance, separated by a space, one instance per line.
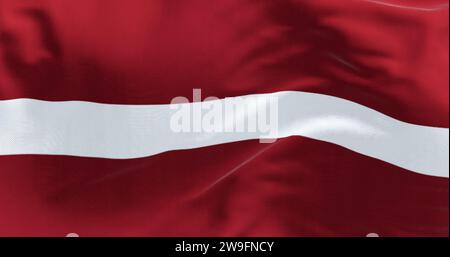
x=224 y=118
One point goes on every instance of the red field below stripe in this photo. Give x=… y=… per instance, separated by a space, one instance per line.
x=295 y=187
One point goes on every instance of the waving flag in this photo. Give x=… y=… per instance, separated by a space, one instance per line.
x=115 y=118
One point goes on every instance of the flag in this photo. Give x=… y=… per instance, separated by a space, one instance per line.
x=105 y=131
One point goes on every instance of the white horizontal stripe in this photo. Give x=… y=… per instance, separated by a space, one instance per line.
x=88 y=129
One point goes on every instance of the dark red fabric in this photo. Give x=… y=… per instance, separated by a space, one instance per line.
x=294 y=187
x=391 y=56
